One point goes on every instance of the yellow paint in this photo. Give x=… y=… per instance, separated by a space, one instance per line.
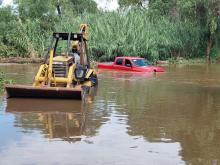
x=50 y=67
x=89 y=73
x=62 y=58
x=75 y=44
x=55 y=79
x=70 y=76
x=39 y=73
x=85 y=33
x=87 y=83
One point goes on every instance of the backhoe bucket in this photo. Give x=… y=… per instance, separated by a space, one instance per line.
x=24 y=91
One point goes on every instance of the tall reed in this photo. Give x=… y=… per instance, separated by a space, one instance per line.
x=130 y=33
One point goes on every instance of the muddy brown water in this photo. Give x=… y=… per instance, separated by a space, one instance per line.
x=133 y=119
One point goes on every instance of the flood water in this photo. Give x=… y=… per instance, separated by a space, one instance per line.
x=133 y=119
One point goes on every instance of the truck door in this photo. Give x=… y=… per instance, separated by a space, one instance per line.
x=119 y=64
x=127 y=65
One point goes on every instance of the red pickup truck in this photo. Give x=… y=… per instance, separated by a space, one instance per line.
x=135 y=64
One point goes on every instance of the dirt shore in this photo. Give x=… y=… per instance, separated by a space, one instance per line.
x=20 y=60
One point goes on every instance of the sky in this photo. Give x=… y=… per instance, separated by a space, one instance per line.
x=103 y=4
x=7 y=2
x=107 y=4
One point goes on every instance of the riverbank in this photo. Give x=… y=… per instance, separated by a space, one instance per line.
x=3 y=81
x=188 y=61
x=20 y=60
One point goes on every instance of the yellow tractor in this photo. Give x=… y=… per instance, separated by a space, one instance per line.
x=66 y=71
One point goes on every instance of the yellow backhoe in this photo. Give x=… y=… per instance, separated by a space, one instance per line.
x=66 y=71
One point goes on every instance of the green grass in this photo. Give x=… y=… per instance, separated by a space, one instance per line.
x=131 y=33
x=3 y=81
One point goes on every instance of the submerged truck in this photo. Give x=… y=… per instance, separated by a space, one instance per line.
x=133 y=64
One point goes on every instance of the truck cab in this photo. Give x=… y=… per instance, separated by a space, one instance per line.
x=122 y=63
x=130 y=63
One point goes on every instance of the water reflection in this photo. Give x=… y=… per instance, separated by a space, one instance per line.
x=132 y=76
x=63 y=119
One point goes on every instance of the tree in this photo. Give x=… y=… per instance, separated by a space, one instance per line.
x=43 y=10
x=202 y=13
x=81 y=6
x=205 y=14
x=6 y=19
x=213 y=24
x=75 y=7
x=35 y=8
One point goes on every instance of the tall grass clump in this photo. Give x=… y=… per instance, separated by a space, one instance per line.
x=3 y=81
x=129 y=32
x=29 y=38
x=24 y=39
x=134 y=33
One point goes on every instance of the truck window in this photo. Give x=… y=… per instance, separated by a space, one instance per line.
x=119 y=61
x=127 y=63
x=140 y=62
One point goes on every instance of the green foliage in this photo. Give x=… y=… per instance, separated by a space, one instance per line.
x=3 y=81
x=6 y=17
x=45 y=11
x=165 y=29
x=80 y=6
x=137 y=35
x=35 y=9
x=215 y=53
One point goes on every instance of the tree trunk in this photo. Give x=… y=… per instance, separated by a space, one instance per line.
x=208 y=50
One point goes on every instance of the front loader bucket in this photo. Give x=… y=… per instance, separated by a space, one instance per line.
x=24 y=91
x=41 y=105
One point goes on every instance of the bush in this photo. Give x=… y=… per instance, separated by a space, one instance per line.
x=130 y=33
x=3 y=81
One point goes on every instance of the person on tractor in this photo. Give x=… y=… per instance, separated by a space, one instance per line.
x=75 y=52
